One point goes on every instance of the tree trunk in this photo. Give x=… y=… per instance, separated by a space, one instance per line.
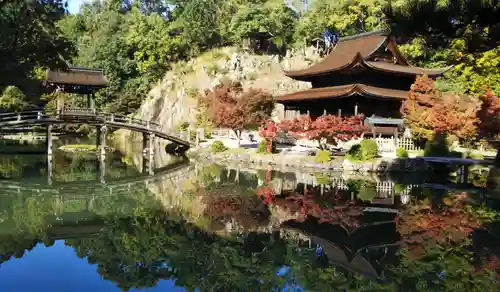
x=238 y=137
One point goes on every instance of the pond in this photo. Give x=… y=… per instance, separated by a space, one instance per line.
x=189 y=227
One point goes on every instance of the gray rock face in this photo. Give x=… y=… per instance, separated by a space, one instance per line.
x=172 y=101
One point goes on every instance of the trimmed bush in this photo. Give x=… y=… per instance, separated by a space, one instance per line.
x=323 y=156
x=473 y=155
x=438 y=147
x=402 y=153
x=354 y=154
x=218 y=146
x=367 y=191
x=323 y=179
x=369 y=149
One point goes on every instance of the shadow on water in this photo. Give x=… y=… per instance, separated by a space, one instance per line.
x=207 y=228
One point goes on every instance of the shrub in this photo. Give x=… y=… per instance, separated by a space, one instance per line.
x=401 y=152
x=455 y=154
x=354 y=154
x=438 y=147
x=218 y=146
x=473 y=155
x=367 y=191
x=262 y=148
x=323 y=156
x=323 y=179
x=369 y=149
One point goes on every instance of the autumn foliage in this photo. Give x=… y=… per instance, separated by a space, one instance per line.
x=268 y=132
x=326 y=128
x=229 y=106
x=427 y=111
x=489 y=116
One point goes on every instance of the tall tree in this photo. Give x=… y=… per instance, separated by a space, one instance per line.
x=230 y=107
x=489 y=120
x=29 y=38
x=440 y=22
x=427 y=111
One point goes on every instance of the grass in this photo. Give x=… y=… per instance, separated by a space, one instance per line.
x=79 y=148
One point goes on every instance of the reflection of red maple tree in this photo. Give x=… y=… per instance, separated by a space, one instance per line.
x=227 y=203
x=425 y=226
x=333 y=209
x=326 y=128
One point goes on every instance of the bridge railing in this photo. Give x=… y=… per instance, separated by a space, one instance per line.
x=86 y=113
x=21 y=116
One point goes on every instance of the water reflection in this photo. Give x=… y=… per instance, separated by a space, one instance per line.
x=206 y=228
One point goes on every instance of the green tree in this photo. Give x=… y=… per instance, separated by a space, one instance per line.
x=29 y=38
x=13 y=99
x=263 y=22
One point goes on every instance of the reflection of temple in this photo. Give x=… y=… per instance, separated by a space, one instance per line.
x=365 y=249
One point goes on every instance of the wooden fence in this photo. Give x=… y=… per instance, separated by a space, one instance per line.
x=390 y=144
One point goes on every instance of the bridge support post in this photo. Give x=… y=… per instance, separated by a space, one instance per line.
x=102 y=169
x=98 y=138
x=102 y=137
x=49 y=140
x=49 y=170
x=151 y=146
x=144 y=142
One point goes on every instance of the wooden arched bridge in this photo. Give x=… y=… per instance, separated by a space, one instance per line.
x=101 y=120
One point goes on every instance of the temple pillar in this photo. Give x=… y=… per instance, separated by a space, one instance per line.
x=49 y=140
x=356 y=109
x=396 y=134
x=339 y=112
x=324 y=112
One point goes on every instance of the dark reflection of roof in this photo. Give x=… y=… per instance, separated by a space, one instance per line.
x=349 y=249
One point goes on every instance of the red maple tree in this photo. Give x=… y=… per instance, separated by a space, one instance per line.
x=229 y=106
x=326 y=128
x=269 y=132
x=427 y=111
x=488 y=120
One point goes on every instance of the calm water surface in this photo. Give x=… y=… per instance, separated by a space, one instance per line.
x=70 y=226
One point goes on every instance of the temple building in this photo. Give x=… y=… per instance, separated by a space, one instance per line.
x=363 y=74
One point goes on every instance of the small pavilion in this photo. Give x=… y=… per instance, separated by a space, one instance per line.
x=77 y=80
x=363 y=74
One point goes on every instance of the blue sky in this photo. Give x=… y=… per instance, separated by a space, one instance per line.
x=74 y=5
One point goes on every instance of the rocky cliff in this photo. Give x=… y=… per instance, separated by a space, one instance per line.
x=172 y=101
